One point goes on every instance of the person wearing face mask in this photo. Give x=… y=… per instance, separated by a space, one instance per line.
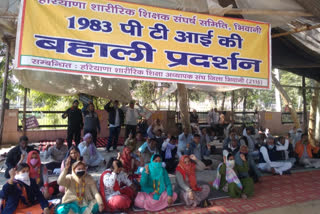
x=22 y=195
x=156 y=189
x=306 y=151
x=114 y=196
x=91 y=156
x=39 y=173
x=271 y=160
x=190 y=193
x=74 y=155
x=17 y=155
x=229 y=177
x=81 y=193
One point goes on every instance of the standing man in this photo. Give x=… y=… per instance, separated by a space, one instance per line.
x=91 y=121
x=75 y=123
x=131 y=119
x=116 y=118
x=17 y=155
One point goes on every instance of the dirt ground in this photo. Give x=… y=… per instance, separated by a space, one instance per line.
x=310 y=207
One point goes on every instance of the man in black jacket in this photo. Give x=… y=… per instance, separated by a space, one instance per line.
x=116 y=119
x=75 y=123
x=17 y=155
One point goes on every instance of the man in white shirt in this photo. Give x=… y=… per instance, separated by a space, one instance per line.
x=131 y=118
x=213 y=118
x=270 y=158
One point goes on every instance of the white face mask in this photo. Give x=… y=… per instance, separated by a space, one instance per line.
x=230 y=163
x=24 y=177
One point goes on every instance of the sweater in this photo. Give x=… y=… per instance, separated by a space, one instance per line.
x=112 y=114
x=13 y=158
x=91 y=195
x=91 y=120
x=75 y=121
x=12 y=193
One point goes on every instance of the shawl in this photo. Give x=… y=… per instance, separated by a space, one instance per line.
x=188 y=171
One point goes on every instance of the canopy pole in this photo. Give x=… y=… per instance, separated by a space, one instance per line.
x=296 y=30
x=4 y=86
x=305 y=119
x=24 y=111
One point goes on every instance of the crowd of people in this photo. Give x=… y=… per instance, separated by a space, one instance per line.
x=142 y=172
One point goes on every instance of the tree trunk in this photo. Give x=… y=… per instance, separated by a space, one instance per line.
x=305 y=118
x=223 y=100
x=183 y=104
x=232 y=105
x=245 y=93
x=313 y=113
x=287 y=101
x=4 y=87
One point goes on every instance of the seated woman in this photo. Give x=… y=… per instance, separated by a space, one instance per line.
x=22 y=194
x=81 y=193
x=228 y=179
x=127 y=159
x=39 y=173
x=91 y=156
x=156 y=187
x=74 y=155
x=169 y=151
x=190 y=192
x=116 y=189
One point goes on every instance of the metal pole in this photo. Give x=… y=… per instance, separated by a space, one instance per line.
x=24 y=111
x=4 y=88
x=305 y=119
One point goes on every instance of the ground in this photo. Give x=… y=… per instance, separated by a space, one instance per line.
x=295 y=194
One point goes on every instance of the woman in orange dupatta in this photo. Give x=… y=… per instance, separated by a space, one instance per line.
x=190 y=192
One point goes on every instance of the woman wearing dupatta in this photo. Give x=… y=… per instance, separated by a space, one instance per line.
x=81 y=193
x=39 y=173
x=130 y=164
x=190 y=193
x=228 y=180
x=22 y=194
x=156 y=189
x=91 y=156
x=116 y=188
x=74 y=155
